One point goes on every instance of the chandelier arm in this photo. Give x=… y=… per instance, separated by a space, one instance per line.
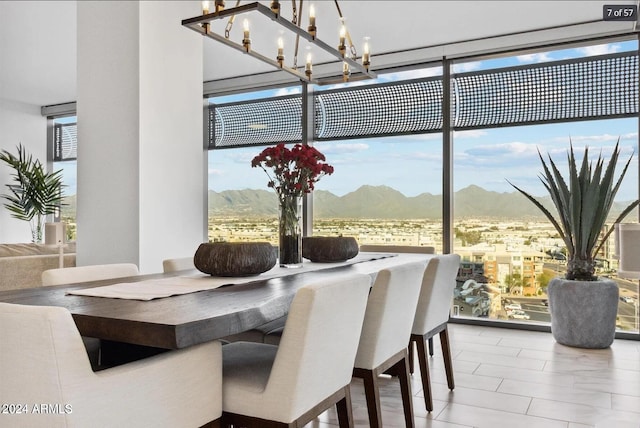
x=295 y=12
x=338 y=7
x=297 y=22
x=200 y=24
x=352 y=47
x=254 y=54
x=227 y=29
x=300 y=12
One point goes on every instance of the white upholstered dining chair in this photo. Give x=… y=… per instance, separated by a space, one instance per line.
x=42 y=363
x=71 y=275
x=432 y=316
x=177 y=264
x=271 y=332
x=385 y=333
x=291 y=384
x=410 y=249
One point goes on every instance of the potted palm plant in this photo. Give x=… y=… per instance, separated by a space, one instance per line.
x=34 y=192
x=583 y=307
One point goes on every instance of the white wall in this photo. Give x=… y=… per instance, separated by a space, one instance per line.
x=173 y=160
x=19 y=123
x=141 y=162
x=107 y=112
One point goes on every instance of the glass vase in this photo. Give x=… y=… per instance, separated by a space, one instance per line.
x=290 y=232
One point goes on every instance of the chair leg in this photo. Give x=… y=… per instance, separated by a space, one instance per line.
x=345 y=413
x=446 y=353
x=424 y=371
x=372 y=394
x=431 y=346
x=401 y=369
x=410 y=351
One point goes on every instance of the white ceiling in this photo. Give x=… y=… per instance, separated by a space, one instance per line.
x=38 y=38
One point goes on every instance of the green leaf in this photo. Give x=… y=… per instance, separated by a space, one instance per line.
x=34 y=192
x=583 y=205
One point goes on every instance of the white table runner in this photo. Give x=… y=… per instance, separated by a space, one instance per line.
x=158 y=288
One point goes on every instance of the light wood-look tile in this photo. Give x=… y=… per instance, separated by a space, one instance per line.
x=516 y=379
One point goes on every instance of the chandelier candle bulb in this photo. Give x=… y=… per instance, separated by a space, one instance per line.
x=312 y=21
x=280 y=57
x=275 y=7
x=307 y=69
x=365 y=56
x=341 y=46
x=246 y=41
x=205 y=11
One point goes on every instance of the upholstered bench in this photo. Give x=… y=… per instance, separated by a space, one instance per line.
x=21 y=265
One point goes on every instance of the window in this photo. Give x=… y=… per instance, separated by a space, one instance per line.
x=65 y=145
x=386 y=142
x=590 y=100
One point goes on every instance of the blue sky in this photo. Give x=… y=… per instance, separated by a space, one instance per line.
x=413 y=165
x=487 y=158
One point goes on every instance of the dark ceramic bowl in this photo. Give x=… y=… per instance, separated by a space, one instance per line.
x=327 y=249
x=235 y=258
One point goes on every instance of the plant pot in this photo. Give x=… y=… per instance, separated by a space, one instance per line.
x=583 y=313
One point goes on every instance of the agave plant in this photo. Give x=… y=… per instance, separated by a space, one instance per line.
x=583 y=207
x=35 y=193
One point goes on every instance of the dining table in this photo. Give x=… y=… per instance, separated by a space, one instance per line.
x=180 y=321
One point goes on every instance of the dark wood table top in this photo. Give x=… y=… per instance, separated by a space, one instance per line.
x=185 y=320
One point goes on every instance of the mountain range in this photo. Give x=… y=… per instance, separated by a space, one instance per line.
x=386 y=203
x=380 y=202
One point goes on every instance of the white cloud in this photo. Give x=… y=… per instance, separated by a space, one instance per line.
x=476 y=133
x=242 y=156
x=436 y=157
x=412 y=138
x=504 y=155
x=506 y=149
x=287 y=91
x=534 y=58
x=411 y=74
x=342 y=148
x=601 y=138
x=599 y=49
x=467 y=66
x=215 y=172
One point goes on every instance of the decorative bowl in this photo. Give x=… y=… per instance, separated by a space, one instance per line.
x=327 y=249
x=235 y=258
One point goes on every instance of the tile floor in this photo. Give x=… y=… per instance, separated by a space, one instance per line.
x=512 y=378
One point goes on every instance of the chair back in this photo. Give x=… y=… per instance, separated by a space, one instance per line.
x=435 y=298
x=72 y=275
x=390 y=312
x=318 y=346
x=397 y=249
x=42 y=354
x=174 y=265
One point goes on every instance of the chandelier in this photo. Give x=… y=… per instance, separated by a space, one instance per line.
x=218 y=24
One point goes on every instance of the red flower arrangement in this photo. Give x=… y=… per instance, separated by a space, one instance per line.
x=295 y=170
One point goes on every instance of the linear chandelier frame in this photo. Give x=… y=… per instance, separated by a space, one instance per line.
x=200 y=24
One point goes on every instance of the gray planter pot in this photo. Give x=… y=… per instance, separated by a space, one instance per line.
x=583 y=313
